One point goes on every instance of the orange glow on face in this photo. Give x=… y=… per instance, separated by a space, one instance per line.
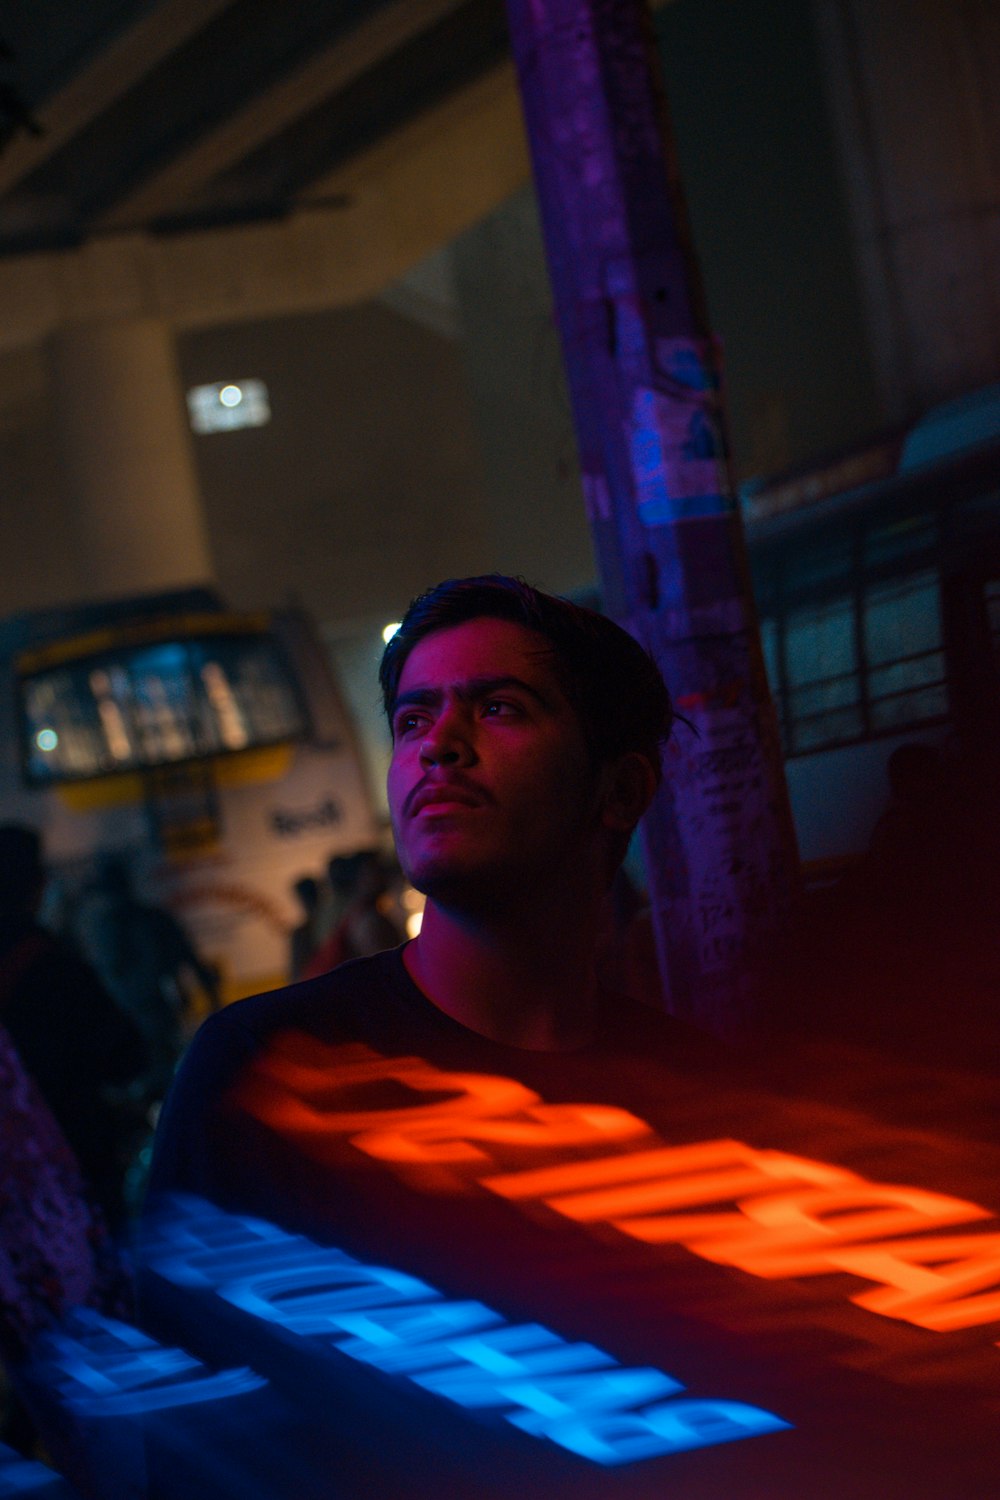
x=767 y=1213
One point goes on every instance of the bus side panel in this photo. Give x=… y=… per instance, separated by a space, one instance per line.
x=235 y=898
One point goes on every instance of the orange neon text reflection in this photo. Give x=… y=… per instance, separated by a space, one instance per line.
x=768 y=1213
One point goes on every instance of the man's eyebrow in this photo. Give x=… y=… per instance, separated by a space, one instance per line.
x=468 y=690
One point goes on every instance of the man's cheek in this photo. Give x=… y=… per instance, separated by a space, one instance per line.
x=394 y=786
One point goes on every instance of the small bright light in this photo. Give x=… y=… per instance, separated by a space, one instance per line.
x=390 y=630
x=46 y=739
x=413 y=923
x=229 y=405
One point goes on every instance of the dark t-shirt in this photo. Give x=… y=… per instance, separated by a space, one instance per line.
x=622 y=1271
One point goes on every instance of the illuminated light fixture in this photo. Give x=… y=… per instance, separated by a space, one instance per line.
x=228 y=405
x=388 y=631
x=46 y=739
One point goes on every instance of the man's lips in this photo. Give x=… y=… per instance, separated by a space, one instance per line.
x=436 y=792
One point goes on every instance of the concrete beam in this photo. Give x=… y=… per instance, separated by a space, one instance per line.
x=117 y=69
x=326 y=73
x=406 y=197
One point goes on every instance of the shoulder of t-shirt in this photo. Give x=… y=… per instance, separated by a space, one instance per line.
x=309 y=1006
x=229 y=1040
x=635 y=1027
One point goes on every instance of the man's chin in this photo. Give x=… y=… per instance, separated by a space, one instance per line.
x=453 y=883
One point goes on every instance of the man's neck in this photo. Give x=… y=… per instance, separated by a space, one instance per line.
x=526 y=983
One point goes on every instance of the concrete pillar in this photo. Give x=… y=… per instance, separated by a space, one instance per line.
x=119 y=416
x=642 y=375
x=912 y=92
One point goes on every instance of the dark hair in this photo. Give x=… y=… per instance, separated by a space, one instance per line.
x=307 y=890
x=613 y=684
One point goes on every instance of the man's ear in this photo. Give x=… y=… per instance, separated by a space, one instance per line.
x=629 y=784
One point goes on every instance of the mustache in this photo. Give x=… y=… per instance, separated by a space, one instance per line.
x=455 y=781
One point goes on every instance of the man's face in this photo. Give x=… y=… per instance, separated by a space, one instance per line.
x=491 y=788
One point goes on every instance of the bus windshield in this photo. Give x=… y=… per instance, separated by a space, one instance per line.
x=143 y=706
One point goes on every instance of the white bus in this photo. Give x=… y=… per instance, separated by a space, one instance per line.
x=877 y=583
x=209 y=748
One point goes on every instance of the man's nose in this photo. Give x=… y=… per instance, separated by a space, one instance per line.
x=448 y=742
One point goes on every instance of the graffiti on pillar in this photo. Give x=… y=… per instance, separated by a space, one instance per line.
x=675 y=436
x=737 y=870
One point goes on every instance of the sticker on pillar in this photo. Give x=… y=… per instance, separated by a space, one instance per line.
x=674 y=438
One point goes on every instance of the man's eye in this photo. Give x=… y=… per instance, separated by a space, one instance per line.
x=498 y=707
x=405 y=723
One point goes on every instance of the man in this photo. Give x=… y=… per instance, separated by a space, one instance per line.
x=518 y=773
x=496 y=1231
x=526 y=746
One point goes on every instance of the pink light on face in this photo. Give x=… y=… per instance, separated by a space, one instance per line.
x=490 y=787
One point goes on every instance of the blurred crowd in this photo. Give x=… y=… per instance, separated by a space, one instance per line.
x=358 y=909
x=94 y=1018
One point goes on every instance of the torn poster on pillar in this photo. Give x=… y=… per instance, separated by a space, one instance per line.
x=674 y=438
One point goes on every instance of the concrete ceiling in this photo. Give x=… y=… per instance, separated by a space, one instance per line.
x=210 y=161
x=218 y=159
x=187 y=114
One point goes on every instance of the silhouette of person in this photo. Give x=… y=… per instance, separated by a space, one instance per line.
x=915 y=848
x=901 y=953
x=305 y=937
x=69 y=1034
x=363 y=928
x=146 y=959
x=341 y=872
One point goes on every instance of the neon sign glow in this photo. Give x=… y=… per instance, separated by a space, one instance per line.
x=572 y=1394
x=26 y=1476
x=103 y=1368
x=768 y=1213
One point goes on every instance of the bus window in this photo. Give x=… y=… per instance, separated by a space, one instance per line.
x=770 y=645
x=249 y=691
x=855 y=651
x=903 y=651
x=157 y=705
x=822 y=676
